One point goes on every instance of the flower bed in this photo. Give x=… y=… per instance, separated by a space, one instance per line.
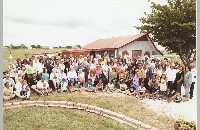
x=181 y=124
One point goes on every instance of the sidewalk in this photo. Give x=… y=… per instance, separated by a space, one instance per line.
x=186 y=110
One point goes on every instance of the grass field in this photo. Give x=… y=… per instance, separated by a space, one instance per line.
x=116 y=102
x=49 y=118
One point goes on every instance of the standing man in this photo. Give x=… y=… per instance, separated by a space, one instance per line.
x=194 y=75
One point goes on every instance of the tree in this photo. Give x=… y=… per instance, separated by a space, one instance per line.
x=23 y=46
x=174 y=27
x=33 y=46
x=79 y=46
x=69 y=47
x=38 y=46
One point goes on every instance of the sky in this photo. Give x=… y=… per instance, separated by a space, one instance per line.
x=70 y=22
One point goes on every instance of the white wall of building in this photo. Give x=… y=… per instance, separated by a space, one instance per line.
x=138 y=45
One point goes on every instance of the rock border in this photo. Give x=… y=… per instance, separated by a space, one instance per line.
x=88 y=108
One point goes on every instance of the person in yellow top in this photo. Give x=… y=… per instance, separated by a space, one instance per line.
x=159 y=72
x=8 y=92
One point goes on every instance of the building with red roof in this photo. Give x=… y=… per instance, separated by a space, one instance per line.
x=135 y=47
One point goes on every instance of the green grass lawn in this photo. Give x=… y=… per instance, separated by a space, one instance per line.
x=52 y=118
x=127 y=105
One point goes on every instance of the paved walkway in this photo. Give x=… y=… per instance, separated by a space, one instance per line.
x=186 y=110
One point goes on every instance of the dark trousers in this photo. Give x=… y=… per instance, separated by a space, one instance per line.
x=179 y=87
x=146 y=80
x=192 y=89
x=170 y=85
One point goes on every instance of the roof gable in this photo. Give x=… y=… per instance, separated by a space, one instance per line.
x=117 y=42
x=112 y=43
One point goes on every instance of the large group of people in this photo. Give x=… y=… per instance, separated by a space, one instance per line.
x=150 y=78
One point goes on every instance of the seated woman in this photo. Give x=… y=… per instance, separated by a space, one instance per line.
x=153 y=87
x=104 y=78
x=129 y=77
x=8 y=92
x=110 y=87
x=45 y=74
x=91 y=75
x=81 y=77
x=63 y=86
x=89 y=86
x=141 y=91
x=99 y=86
x=122 y=76
x=18 y=88
x=54 y=78
x=113 y=76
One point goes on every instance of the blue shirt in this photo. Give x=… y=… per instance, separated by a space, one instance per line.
x=45 y=76
x=89 y=84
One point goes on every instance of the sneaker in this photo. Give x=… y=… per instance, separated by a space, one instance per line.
x=42 y=95
x=48 y=94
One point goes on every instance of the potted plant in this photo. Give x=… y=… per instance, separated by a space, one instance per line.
x=181 y=124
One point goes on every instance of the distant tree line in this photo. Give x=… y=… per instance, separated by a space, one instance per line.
x=17 y=47
x=38 y=46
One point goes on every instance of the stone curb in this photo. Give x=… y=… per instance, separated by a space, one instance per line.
x=89 y=108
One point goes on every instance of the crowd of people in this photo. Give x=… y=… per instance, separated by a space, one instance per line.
x=149 y=78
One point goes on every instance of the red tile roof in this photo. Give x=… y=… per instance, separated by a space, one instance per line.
x=116 y=42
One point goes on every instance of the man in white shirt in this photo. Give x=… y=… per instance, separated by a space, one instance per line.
x=39 y=66
x=72 y=75
x=61 y=65
x=81 y=59
x=171 y=75
x=43 y=87
x=194 y=75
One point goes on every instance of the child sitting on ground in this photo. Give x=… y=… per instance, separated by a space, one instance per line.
x=168 y=95
x=177 y=97
x=132 y=89
x=25 y=90
x=110 y=87
x=78 y=86
x=89 y=86
x=99 y=86
x=141 y=91
x=72 y=87
x=123 y=87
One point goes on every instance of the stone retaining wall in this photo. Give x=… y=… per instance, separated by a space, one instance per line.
x=89 y=108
